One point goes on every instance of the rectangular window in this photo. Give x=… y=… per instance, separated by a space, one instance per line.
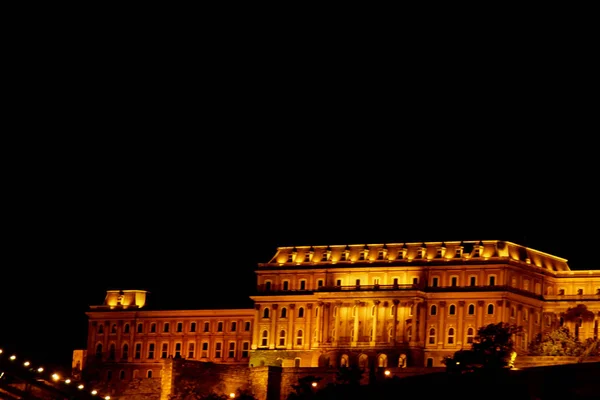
x=472 y=281
x=204 y=350
x=415 y=280
x=140 y=328
x=320 y=283
x=151 y=351
x=357 y=282
x=218 y=350
x=180 y=327
x=492 y=280
x=245 y=349
x=231 y=353
x=302 y=284
x=193 y=327
x=207 y=326
x=233 y=326
x=454 y=281
x=191 y=348
x=178 y=350
x=153 y=328
x=376 y=281
x=338 y=282
x=220 y=326
x=434 y=282
x=286 y=285
x=166 y=327
x=164 y=352
x=247 y=326
x=138 y=351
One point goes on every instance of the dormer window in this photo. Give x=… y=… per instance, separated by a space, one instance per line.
x=307 y=257
x=292 y=255
x=326 y=254
x=440 y=251
x=458 y=252
x=401 y=254
x=346 y=254
x=364 y=254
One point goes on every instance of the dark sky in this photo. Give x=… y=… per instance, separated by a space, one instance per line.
x=147 y=163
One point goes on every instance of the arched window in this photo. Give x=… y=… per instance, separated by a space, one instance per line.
x=99 y=351
x=112 y=352
x=344 y=361
x=149 y=374
x=122 y=375
x=433 y=310
x=432 y=336
x=126 y=328
x=382 y=361
x=100 y=328
x=490 y=309
x=266 y=313
x=282 y=337
x=452 y=309
x=451 y=336
x=471 y=309
x=113 y=329
x=470 y=334
x=299 y=337
x=301 y=312
x=284 y=312
x=363 y=361
x=125 y=352
x=264 y=340
x=140 y=328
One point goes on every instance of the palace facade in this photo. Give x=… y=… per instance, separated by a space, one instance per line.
x=374 y=305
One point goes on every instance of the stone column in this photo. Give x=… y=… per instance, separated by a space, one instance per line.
x=499 y=311
x=441 y=325
x=320 y=319
x=326 y=323
x=355 y=326
x=338 y=311
x=308 y=335
x=459 y=330
x=480 y=311
x=291 y=333
x=255 y=333
x=402 y=320
x=395 y=321
x=374 y=321
x=421 y=321
x=506 y=314
x=274 y=333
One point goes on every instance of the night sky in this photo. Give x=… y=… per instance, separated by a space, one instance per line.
x=139 y=164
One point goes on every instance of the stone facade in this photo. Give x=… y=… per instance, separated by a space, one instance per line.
x=402 y=306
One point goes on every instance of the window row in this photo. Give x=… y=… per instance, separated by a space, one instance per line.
x=232 y=326
x=176 y=352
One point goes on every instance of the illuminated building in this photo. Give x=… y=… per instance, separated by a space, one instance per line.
x=374 y=305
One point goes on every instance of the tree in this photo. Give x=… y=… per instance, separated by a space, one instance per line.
x=305 y=389
x=492 y=348
x=561 y=342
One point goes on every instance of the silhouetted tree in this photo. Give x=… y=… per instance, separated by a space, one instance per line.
x=492 y=348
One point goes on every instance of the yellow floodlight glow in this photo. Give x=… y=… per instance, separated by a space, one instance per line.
x=55 y=377
x=80 y=387
x=94 y=392
x=314 y=384
x=13 y=357
x=40 y=369
x=387 y=372
x=26 y=363
x=231 y=395
x=67 y=381
x=106 y=397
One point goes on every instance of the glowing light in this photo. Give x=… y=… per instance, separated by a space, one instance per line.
x=55 y=377
x=387 y=372
x=107 y=398
x=1 y=351
x=94 y=392
x=231 y=395
x=13 y=357
x=80 y=387
x=314 y=384
x=40 y=369
x=513 y=357
x=67 y=381
x=26 y=363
